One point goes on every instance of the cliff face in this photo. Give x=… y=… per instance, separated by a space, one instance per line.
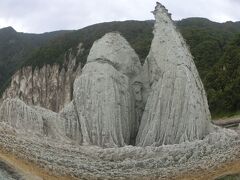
x=50 y=86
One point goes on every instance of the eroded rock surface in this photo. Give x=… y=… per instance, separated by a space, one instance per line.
x=177 y=108
x=85 y=138
x=50 y=86
x=36 y=121
x=129 y=162
x=108 y=102
x=103 y=94
x=71 y=123
x=21 y=117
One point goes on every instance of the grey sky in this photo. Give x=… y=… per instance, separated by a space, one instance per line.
x=49 y=15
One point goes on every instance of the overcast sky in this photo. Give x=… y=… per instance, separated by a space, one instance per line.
x=39 y=16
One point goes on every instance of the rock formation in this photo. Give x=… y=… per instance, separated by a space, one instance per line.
x=21 y=117
x=30 y=120
x=72 y=127
x=104 y=96
x=108 y=102
x=50 y=86
x=91 y=136
x=36 y=121
x=177 y=108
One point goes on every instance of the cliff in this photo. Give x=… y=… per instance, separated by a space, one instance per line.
x=50 y=86
x=117 y=102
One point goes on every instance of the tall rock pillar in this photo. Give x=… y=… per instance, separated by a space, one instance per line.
x=104 y=93
x=177 y=108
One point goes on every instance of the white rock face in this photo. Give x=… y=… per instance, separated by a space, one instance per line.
x=72 y=126
x=107 y=105
x=177 y=108
x=21 y=117
x=49 y=86
x=104 y=94
x=115 y=50
x=40 y=122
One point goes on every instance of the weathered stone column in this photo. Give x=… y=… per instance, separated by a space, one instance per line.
x=103 y=94
x=177 y=108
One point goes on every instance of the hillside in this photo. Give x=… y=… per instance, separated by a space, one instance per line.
x=138 y=34
x=209 y=43
x=15 y=47
x=223 y=80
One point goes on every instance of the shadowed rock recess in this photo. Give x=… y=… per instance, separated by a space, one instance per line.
x=124 y=120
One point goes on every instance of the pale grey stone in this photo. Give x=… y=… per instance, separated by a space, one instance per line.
x=107 y=105
x=104 y=93
x=177 y=108
x=31 y=120
x=220 y=146
x=71 y=123
x=42 y=123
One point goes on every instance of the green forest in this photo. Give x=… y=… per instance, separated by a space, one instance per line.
x=215 y=47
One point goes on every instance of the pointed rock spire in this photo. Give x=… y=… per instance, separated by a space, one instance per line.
x=177 y=108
